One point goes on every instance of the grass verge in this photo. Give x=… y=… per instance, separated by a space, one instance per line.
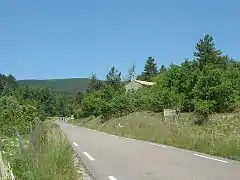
x=220 y=137
x=47 y=155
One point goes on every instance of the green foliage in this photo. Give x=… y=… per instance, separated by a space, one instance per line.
x=94 y=84
x=67 y=86
x=202 y=109
x=213 y=85
x=79 y=97
x=206 y=53
x=91 y=104
x=150 y=70
x=48 y=157
x=13 y=115
x=210 y=83
x=220 y=137
x=113 y=78
x=19 y=105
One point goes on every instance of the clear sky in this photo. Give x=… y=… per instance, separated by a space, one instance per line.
x=44 y=39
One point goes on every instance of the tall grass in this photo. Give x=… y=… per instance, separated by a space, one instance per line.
x=221 y=136
x=49 y=156
x=5 y=170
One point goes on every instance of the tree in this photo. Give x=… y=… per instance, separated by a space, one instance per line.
x=61 y=106
x=214 y=86
x=14 y=115
x=150 y=70
x=206 y=52
x=7 y=90
x=79 y=97
x=162 y=69
x=12 y=81
x=94 y=84
x=113 y=78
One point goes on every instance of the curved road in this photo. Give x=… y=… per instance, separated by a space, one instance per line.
x=116 y=158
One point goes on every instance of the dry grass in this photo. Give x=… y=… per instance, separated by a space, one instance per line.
x=221 y=136
x=5 y=171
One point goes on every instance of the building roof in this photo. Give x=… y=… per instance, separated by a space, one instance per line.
x=145 y=83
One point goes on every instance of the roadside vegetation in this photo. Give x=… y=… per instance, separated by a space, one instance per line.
x=34 y=148
x=45 y=154
x=219 y=137
x=200 y=87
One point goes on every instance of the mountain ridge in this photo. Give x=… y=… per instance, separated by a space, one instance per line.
x=64 y=85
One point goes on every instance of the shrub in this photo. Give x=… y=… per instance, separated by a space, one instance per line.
x=202 y=109
x=13 y=115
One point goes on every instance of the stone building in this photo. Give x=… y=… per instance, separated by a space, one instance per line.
x=134 y=85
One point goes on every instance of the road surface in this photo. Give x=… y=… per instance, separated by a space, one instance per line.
x=116 y=158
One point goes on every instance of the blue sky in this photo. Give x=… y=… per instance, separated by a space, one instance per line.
x=62 y=39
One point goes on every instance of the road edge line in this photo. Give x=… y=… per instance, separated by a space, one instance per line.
x=89 y=156
x=112 y=178
x=207 y=157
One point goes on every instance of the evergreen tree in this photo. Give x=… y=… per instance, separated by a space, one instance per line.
x=162 y=69
x=79 y=97
x=94 y=84
x=113 y=78
x=206 y=52
x=150 y=70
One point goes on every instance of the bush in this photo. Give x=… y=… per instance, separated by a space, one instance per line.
x=213 y=85
x=202 y=110
x=13 y=115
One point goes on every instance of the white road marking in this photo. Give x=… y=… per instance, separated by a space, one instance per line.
x=159 y=145
x=113 y=135
x=112 y=178
x=206 y=157
x=75 y=144
x=128 y=138
x=89 y=157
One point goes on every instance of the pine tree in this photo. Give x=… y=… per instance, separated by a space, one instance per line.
x=113 y=78
x=206 y=52
x=94 y=84
x=79 y=97
x=162 y=69
x=150 y=70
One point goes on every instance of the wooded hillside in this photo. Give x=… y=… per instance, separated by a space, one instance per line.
x=69 y=86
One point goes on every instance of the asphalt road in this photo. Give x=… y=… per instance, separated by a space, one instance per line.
x=116 y=158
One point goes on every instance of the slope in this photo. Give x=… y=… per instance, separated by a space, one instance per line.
x=70 y=85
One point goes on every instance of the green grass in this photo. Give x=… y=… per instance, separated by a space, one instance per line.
x=220 y=137
x=50 y=157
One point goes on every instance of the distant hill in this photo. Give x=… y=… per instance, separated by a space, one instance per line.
x=71 y=85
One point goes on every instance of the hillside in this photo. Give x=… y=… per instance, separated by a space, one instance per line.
x=71 y=85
